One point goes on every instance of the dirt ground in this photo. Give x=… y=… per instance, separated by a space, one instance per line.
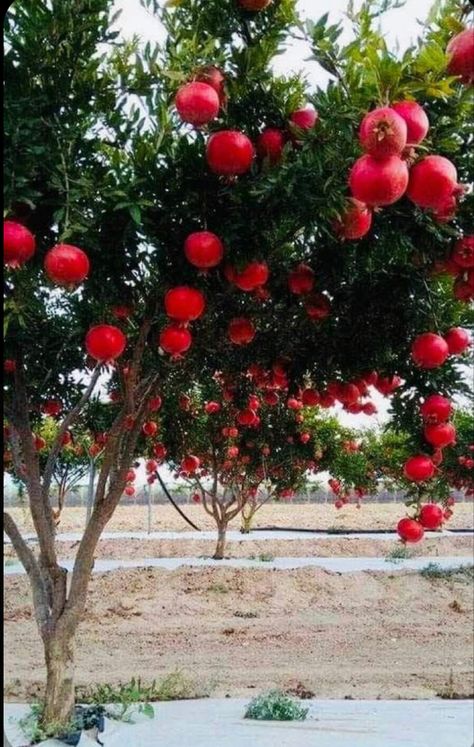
x=237 y=632
x=303 y=516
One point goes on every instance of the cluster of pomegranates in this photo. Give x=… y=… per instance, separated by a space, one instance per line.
x=430 y=350
x=460 y=265
x=343 y=497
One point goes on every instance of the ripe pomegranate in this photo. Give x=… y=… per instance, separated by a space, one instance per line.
x=463 y=290
x=375 y=182
x=66 y=438
x=437 y=457
x=419 y=468
x=327 y=400
x=233 y=452
x=159 y=450
x=410 y=530
x=416 y=120
x=190 y=464
x=184 y=304
x=304 y=119
x=301 y=280
x=66 y=265
x=435 y=409
x=463 y=252
x=460 y=51
x=203 y=249
x=122 y=312
x=383 y=133
x=9 y=365
x=254 y=5
x=196 y=498
x=355 y=222
x=429 y=350
x=305 y=437
x=129 y=490
x=19 y=244
x=432 y=182
x=105 y=342
x=197 y=103
x=246 y=417
x=252 y=276
x=40 y=443
x=270 y=144
x=387 y=384
x=440 y=435
x=155 y=403
x=150 y=428
x=212 y=407
x=229 y=153
x=241 y=331
x=458 y=340
x=318 y=307
x=151 y=465
x=310 y=398
x=233 y=432
x=431 y=516
x=130 y=476
x=271 y=398
x=293 y=404
x=52 y=408
x=214 y=78
x=94 y=450
x=348 y=394
x=175 y=340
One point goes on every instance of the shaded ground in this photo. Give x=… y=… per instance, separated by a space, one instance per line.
x=361 y=635
x=311 y=516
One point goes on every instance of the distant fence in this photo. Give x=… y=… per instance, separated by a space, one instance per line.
x=78 y=497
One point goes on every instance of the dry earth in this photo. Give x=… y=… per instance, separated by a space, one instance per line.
x=304 y=516
x=363 y=635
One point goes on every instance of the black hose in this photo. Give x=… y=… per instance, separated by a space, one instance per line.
x=170 y=498
x=340 y=531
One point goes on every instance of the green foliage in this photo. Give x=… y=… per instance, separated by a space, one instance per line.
x=275 y=705
x=462 y=573
x=34 y=728
x=399 y=552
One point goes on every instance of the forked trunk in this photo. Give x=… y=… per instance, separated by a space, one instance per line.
x=221 y=541
x=246 y=523
x=59 y=697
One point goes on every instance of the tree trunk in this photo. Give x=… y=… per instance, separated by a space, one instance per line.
x=246 y=523
x=59 y=697
x=221 y=540
x=90 y=490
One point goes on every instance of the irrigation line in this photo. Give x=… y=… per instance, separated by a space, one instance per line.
x=341 y=531
x=170 y=498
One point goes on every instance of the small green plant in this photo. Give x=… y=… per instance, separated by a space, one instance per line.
x=246 y=615
x=460 y=573
x=84 y=718
x=275 y=705
x=264 y=557
x=399 y=552
x=218 y=588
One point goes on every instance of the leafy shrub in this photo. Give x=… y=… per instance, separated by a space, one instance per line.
x=275 y=705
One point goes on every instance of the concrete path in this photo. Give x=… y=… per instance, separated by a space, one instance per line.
x=336 y=565
x=330 y=723
x=234 y=536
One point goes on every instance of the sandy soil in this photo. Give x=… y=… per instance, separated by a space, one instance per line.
x=304 y=516
x=359 y=635
x=344 y=547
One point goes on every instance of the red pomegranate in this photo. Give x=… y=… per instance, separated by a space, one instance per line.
x=197 y=103
x=229 y=153
x=304 y=119
x=301 y=280
x=52 y=408
x=105 y=343
x=440 y=435
x=355 y=222
x=348 y=393
x=190 y=464
x=327 y=400
x=122 y=312
x=458 y=340
x=463 y=252
x=270 y=144
x=463 y=290
x=375 y=182
x=94 y=450
x=175 y=340
x=432 y=182
x=129 y=490
x=130 y=476
x=9 y=366
x=252 y=276
x=184 y=304
x=66 y=264
x=460 y=51
x=150 y=428
x=212 y=407
x=383 y=133
x=233 y=452
x=203 y=249
x=241 y=331
x=293 y=404
x=429 y=350
x=214 y=78
x=410 y=530
x=305 y=437
x=196 y=498
x=318 y=307
x=271 y=398
x=66 y=438
x=246 y=417
x=18 y=244
x=416 y=120
x=159 y=450
x=40 y=443
x=419 y=468
x=155 y=403
x=310 y=398
x=254 y=5
x=435 y=409
x=431 y=516
x=233 y=432
x=369 y=408
x=387 y=384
